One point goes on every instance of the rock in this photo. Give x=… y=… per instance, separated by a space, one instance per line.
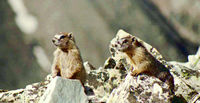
x=104 y=79
x=140 y=89
x=186 y=77
x=111 y=79
x=11 y=96
x=62 y=90
x=113 y=83
x=88 y=66
x=102 y=82
x=31 y=94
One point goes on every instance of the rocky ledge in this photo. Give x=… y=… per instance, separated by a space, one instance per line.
x=112 y=83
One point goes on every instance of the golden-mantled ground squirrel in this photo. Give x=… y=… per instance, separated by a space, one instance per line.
x=67 y=59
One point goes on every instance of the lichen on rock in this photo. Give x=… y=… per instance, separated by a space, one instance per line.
x=187 y=79
x=112 y=83
x=140 y=89
x=30 y=94
x=117 y=67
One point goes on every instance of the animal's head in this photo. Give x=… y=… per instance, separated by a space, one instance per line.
x=125 y=43
x=63 y=40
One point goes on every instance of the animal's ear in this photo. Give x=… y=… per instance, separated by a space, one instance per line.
x=133 y=39
x=70 y=35
x=138 y=43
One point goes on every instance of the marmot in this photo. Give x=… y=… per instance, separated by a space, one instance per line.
x=67 y=60
x=142 y=61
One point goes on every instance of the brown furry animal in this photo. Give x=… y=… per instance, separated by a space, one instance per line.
x=142 y=61
x=67 y=60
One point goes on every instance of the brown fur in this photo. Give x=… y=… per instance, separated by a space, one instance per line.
x=143 y=62
x=67 y=60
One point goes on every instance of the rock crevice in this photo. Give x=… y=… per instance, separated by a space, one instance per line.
x=113 y=83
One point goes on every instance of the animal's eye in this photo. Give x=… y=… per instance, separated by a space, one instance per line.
x=62 y=37
x=133 y=39
x=125 y=41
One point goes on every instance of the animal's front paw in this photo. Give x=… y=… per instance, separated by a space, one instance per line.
x=133 y=73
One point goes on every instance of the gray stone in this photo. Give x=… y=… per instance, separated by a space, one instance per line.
x=30 y=94
x=112 y=83
x=186 y=77
x=140 y=89
x=62 y=90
